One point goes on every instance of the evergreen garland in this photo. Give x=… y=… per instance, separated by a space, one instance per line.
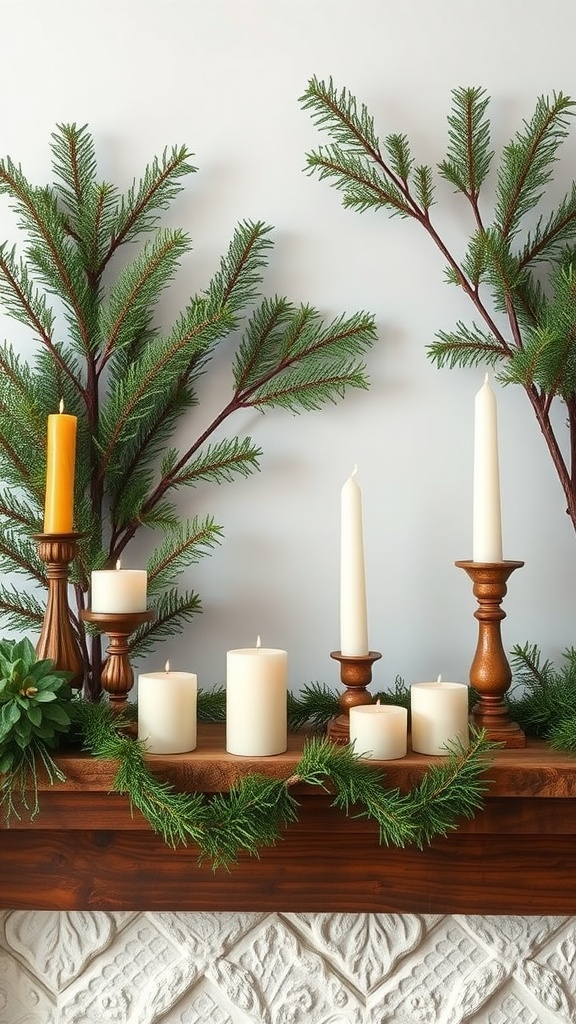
x=518 y=270
x=254 y=812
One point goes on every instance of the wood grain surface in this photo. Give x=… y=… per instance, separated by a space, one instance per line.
x=86 y=850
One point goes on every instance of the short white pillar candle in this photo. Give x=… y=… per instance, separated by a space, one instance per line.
x=167 y=711
x=439 y=713
x=118 y=590
x=379 y=732
x=256 y=701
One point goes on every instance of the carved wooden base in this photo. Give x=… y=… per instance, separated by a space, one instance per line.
x=490 y=673
x=117 y=674
x=58 y=640
x=356 y=674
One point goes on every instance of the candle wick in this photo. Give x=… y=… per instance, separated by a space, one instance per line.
x=258 y=643
x=61 y=406
x=118 y=563
x=486 y=379
x=439 y=680
x=355 y=470
x=167 y=667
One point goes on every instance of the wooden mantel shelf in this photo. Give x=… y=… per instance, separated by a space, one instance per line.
x=86 y=850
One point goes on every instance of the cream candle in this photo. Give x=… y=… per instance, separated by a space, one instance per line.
x=353 y=616
x=256 y=701
x=379 y=731
x=167 y=703
x=439 y=713
x=118 y=590
x=487 y=520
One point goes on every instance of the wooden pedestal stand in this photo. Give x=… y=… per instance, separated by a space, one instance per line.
x=57 y=639
x=356 y=674
x=490 y=673
x=117 y=674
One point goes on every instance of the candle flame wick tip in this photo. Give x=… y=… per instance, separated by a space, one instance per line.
x=439 y=680
x=258 y=643
x=167 y=667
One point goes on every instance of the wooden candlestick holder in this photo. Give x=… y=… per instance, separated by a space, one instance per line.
x=58 y=640
x=490 y=673
x=117 y=675
x=355 y=674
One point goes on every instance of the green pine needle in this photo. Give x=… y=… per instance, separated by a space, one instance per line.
x=257 y=810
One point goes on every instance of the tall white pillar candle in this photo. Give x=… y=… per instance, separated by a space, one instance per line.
x=353 y=616
x=256 y=701
x=487 y=525
x=379 y=732
x=439 y=713
x=167 y=711
x=118 y=590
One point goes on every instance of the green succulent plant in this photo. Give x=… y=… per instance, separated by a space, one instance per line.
x=35 y=703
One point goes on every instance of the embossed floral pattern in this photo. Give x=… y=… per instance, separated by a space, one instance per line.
x=210 y=968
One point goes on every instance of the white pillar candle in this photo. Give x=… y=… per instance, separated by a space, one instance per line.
x=487 y=524
x=439 y=713
x=353 y=617
x=379 y=732
x=167 y=714
x=256 y=701
x=119 y=590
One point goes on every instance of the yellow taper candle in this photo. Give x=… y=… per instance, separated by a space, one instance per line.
x=60 y=466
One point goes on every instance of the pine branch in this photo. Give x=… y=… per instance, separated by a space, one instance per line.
x=184 y=546
x=495 y=278
x=18 y=554
x=469 y=154
x=173 y=610
x=526 y=662
x=149 y=381
x=138 y=289
x=50 y=252
x=337 y=111
x=74 y=164
x=22 y=611
x=236 y=283
x=219 y=462
x=314 y=706
x=211 y=704
x=465 y=346
x=527 y=162
x=309 y=352
x=548 y=241
x=136 y=212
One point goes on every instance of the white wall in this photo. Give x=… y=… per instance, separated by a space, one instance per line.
x=224 y=78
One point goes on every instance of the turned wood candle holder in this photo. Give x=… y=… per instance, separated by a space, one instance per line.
x=490 y=673
x=117 y=675
x=355 y=674
x=58 y=640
